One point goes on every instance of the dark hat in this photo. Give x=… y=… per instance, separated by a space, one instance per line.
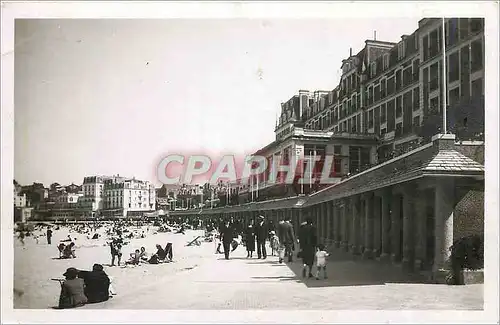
x=71 y=272
x=97 y=267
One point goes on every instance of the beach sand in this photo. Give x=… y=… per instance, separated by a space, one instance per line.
x=35 y=264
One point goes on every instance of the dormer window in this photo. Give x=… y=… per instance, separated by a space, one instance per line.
x=401 y=50
x=373 y=69
x=386 y=61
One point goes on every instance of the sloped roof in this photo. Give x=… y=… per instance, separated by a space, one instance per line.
x=452 y=161
x=427 y=160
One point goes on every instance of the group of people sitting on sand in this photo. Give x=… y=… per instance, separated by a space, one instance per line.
x=162 y=255
x=83 y=287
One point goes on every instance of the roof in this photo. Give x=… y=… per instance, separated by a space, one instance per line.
x=427 y=160
x=452 y=161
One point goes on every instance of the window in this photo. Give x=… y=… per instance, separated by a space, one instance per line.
x=434 y=77
x=476 y=55
x=373 y=69
x=370 y=118
x=426 y=47
x=454 y=67
x=452 y=31
x=399 y=129
x=401 y=50
x=398 y=80
x=399 y=111
x=383 y=113
x=477 y=88
x=476 y=25
x=433 y=43
x=337 y=150
x=382 y=88
x=407 y=76
x=337 y=165
x=377 y=93
x=463 y=26
x=383 y=131
x=416 y=121
x=416 y=66
x=454 y=96
x=390 y=86
x=434 y=105
x=386 y=61
x=416 y=99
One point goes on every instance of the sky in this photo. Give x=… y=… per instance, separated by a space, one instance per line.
x=114 y=96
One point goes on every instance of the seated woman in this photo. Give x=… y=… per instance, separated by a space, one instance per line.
x=135 y=258
x=159 y=256
x=69 y=251
x=143 y=255
x=72 y=290
x=97 y=284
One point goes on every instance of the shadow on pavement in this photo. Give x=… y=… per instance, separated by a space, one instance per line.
x=344 y=269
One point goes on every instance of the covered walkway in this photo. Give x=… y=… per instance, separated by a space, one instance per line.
x=400 y=211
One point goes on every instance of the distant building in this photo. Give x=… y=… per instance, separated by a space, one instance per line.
x=126 y=197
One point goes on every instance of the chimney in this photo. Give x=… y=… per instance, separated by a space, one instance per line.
x=444 y=141
x=350 y=51
x=374 y=35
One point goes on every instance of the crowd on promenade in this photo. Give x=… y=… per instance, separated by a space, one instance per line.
x=80 y=287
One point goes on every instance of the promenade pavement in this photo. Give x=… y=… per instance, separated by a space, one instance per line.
x=200 y=279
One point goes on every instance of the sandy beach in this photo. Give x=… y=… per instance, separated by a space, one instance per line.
x=35 y=264
x=199 y=279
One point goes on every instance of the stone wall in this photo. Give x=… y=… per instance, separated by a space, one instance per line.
x=469 y=215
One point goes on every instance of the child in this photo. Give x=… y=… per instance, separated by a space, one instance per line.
x=321 y=256
x=275 y=243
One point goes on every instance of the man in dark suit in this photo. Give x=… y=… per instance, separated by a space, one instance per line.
x=308 y=243
x=286 y=237
x=227 y=234
x=261 y=233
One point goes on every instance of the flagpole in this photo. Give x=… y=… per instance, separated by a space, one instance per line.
x=445 y=91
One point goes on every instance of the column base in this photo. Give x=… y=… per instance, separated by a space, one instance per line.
x=396 y=259
x=368 y=253
x=384 y=257
x=406 y=264
x=419 y=265
x=376 y=253
x=345 y=246
x=440 y=276
x=355 y=250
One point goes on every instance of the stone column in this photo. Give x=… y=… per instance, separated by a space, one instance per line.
x=326 y=218
x=328 y=221
x=396 y=228
x=368 y=253
x=385 y=224
x=421 y=233
x=444 y=206
x=377 y=224
x=345 y=224
x=361 y=222
x=408 y=229
x=355 y=225
x=335 y=215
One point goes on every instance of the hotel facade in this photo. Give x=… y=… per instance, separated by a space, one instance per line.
x=405 y=189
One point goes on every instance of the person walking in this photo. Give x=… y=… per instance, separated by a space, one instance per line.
x=227 y=234
x=261 y=233
x=49 y=236
x=308 y=243
x=250 y=239
x=286 y=237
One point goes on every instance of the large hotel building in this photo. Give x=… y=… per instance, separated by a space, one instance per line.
x=403 y=188
x=389 y=101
